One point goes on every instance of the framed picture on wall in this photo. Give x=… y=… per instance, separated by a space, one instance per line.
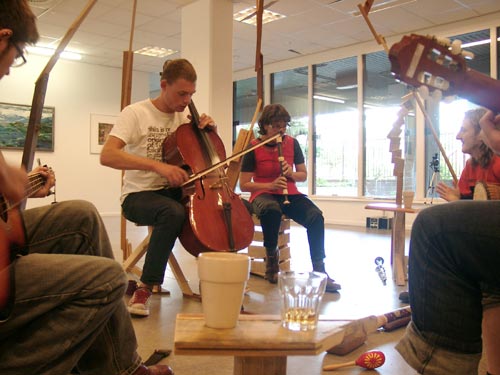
x=14 y=120
x=100 y=126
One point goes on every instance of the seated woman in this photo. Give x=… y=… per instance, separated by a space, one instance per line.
x=265 y=177
x=454 y=283
x=483 y=164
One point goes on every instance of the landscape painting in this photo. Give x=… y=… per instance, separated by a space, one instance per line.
x=14 y=120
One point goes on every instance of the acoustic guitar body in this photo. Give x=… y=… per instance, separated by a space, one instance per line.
x=12 y=239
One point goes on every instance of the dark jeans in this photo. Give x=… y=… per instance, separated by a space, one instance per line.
x=69 y=308
x=269 y=208
x=453 y=276
x=162 y=210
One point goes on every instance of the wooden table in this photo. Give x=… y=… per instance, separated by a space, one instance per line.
x=397 y=237
x=259 y=344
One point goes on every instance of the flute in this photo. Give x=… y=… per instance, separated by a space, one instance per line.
x=281 y=159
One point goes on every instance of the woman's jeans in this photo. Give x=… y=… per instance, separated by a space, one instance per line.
x=454 y=270
x=269 y=208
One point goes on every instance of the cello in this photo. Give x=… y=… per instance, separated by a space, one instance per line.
x=217 y=219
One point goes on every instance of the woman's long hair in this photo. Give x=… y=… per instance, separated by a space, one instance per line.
x=485 y=153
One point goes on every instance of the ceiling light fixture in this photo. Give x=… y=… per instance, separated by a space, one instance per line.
x=267 y=16
x=478 y=43
x=49 y=51
x=155 y=51
x=384 y=5
x=328 y=99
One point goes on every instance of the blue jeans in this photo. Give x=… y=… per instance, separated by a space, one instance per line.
x=69 y=310
x=162 y=210
x=269 y=208
x=453 y=276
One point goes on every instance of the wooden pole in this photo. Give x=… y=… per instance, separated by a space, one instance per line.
x=364 y=10
x=128 y=62
x=245 y=136
x=436 y=138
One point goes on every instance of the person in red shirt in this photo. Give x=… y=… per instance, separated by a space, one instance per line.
x=483 y=164
x=266 y=178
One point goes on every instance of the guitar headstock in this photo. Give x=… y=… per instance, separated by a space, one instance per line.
x=424 y=60
x=439 y=65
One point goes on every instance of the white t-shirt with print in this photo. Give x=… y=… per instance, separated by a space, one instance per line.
x=143 y=128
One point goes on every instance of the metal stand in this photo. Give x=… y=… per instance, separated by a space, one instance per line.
x=435 y=178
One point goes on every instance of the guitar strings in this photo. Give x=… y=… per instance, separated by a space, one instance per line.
x=35 y=182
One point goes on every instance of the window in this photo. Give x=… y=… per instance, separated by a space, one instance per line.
x=336 y=133
x=289 y=88
x=382 y=105
x=244 y=104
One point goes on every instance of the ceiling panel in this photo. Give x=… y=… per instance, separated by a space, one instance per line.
x=311 y=26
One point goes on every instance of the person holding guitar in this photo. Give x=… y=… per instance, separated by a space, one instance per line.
x=272 y=184
x=454 y=287
x=61 y=298
x=150 y=193
x=483 y=164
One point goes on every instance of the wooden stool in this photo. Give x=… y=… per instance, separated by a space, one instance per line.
x=132 y=257
x=257 y=251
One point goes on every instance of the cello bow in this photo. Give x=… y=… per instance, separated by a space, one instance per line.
x=218 y=165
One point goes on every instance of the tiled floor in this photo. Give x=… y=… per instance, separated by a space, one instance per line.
x=350 y=260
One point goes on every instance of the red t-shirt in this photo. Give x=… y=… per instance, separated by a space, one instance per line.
x=474 y=173
x=264 y=163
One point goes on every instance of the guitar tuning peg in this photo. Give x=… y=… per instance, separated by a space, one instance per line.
x=437 y=95
x=468 y=55
x=450 y=98
x=444 y=41
x=456 y=47
x=423 y=91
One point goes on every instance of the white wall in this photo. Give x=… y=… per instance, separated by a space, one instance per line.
x=75 y=90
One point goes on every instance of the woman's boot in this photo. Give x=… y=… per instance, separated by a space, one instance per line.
x=331 y=285
x=272 y=265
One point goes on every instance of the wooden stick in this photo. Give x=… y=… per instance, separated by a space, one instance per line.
x=357 y=331
x=128 y=63
x=338 y=365
x=244 y=138
x=198 y=175
x=436 y=138
x=41 y=89
x=364 y=10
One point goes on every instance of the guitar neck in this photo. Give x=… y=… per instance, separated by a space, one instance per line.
x=481 y=89
x=35 y=182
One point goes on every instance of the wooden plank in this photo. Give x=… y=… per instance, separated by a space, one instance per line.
x=259 y=365
x=391 y=207
x=283 y=238
x=254 y=336
x=398 y=248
